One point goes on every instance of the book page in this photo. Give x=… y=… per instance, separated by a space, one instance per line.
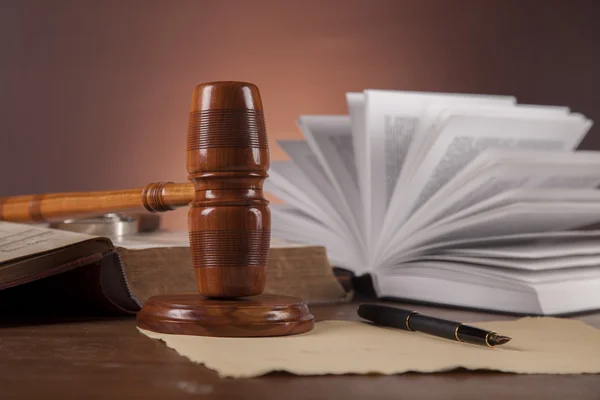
x=392 y=119
x=559 y=262
x=492 y=275
x=543 y=248
x=523 y=196
x=511 y=170
x=356 y=112
x=287 y=180
x=437 y=113
x=463 y=138
x=516 y=218
x=291 y=185
x=504 y=290
x=306 y=160
x=330 y=138
x=479 y=189
x=23 y=240
x=458 y=145
x=291 y=225
x=511 y=239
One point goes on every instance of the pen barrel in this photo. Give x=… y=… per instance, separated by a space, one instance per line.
x=469 y=334
x=449 y=329
x=385 y=316
x=434 y=326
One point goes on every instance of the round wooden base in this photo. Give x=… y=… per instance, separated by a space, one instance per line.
x=193 y=314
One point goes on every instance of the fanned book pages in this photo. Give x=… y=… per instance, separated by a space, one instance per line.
x=467 y=200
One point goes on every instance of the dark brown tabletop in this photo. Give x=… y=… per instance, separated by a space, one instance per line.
x=111 y=359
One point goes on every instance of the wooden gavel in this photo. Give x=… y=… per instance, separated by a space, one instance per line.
x=229 y=219
x=229 y=222
x=51 y=207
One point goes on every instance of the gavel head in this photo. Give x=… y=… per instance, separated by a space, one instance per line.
x=227 y=161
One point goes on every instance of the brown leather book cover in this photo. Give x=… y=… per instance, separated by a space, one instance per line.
x=54 y=273
x=48 y=272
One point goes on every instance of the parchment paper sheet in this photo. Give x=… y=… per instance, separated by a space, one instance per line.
x=539 y=345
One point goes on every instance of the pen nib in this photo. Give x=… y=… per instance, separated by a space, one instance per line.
x=495 y=339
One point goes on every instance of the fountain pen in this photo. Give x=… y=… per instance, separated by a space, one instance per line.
x=413 y=321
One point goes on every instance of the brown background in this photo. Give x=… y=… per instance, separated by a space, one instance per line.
x=94 y=94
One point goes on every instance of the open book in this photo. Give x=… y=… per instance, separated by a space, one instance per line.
x=50 y=272
x=466 y=200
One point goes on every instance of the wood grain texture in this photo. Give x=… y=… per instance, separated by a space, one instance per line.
x=257 y=316
x=110 y=359
x=229 y=219
x=229 y=226
x=49 y=207
x=227 y=161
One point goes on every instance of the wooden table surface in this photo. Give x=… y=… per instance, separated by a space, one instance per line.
x=110 y=359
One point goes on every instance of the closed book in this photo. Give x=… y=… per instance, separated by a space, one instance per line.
x=52 y=272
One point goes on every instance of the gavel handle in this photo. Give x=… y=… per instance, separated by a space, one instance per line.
x=154 y=197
